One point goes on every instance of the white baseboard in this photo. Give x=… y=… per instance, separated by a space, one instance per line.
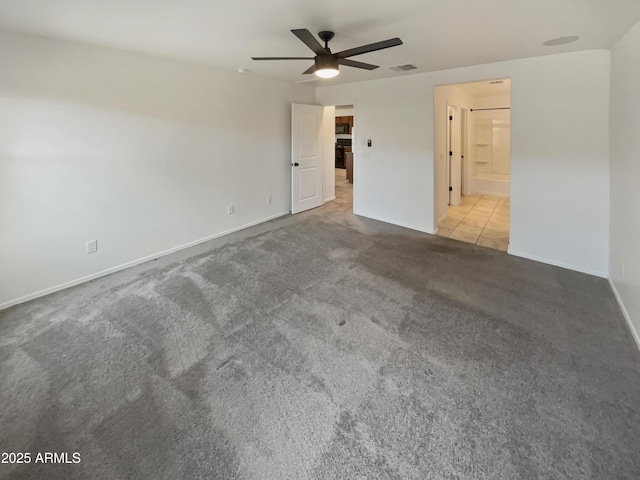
x=329 y=199
x=489 y=193
x=625 y=314
x=400 y=224
x=132 y=263
x=437 y=229
x=557 y=264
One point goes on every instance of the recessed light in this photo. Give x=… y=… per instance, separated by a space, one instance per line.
x=242 y=70
x=561 y=41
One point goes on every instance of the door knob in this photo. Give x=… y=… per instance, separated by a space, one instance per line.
x=296 y=164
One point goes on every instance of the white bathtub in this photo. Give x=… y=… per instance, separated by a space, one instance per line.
x=493 y=184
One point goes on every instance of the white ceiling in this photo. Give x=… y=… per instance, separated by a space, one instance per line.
x=437 y=34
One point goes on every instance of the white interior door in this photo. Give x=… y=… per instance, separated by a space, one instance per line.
x=306 y=157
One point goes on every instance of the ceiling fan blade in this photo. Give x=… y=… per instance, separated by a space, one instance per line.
x=309 y=40
x=353 y=63
x=282 y=58
x=372 y=47
x=311 y=69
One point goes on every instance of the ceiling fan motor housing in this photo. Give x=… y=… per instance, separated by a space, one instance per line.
x=326 y=62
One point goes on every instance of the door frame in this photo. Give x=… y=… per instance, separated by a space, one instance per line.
x=330 y=166
x=464 y=151
x=440 y=163
x=454 y=161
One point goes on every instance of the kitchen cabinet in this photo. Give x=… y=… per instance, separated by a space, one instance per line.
x=348 y=120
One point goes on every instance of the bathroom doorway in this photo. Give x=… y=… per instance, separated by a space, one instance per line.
x=472 y=171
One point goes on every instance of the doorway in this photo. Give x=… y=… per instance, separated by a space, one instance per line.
x=318 y=173
x=345 y=145
x=472 y=172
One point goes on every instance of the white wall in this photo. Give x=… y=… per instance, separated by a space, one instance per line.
x=141 y=153
x=344 y=111
x=492 y=101
x=559 y=152
x=625 y=175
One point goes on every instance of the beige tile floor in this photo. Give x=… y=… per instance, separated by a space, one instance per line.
x=479 y=219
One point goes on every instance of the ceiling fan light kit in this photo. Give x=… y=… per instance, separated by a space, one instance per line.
x=326 y=67
x=325 y=62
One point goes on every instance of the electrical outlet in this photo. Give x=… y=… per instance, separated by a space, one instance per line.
x=92 y=246
x=269 y=200
x=231 y=209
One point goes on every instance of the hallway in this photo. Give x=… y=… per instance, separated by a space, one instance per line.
x=344 y=189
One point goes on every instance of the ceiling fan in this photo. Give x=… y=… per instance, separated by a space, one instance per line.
x=325 y=62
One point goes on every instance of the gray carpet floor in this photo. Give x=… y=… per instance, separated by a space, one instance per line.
x=324 y=346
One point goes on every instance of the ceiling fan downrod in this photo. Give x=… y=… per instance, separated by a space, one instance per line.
x=326 y=36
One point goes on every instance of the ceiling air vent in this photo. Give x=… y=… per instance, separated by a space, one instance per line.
x=403 y=68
